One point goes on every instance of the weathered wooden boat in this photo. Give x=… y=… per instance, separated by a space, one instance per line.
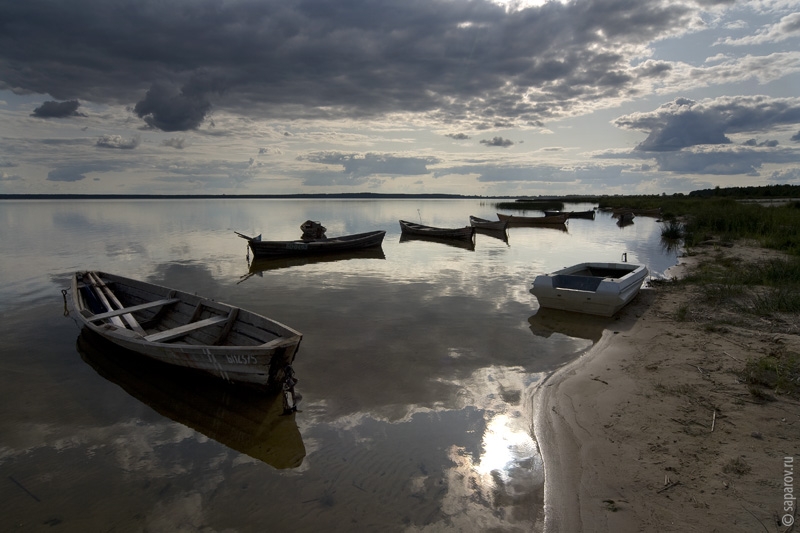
x=482 y=223
x=624 y=218
x=589 y=214
x=655 y=212
x=514 y=220
x=324 y=245
x=184 y=329
x=241 y=418
x=592 y=288
x=412 y=228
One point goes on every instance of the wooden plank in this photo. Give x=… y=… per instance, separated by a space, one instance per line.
x=99 y=292
x=228 y=325
x=174 y=333
x=132 y=322
x=135 y=308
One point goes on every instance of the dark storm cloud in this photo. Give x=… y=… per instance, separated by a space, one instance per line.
x=790 y=175
x=498 y=141
x=683 y=123
x=710 y=163
x=66 y=174
x=361 y=165
x=52 y=109
x=754 y=142
x=727 y=160
x=167 y=108
x=469 y=62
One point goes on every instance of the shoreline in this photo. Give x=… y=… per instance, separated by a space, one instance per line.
x=651 y=429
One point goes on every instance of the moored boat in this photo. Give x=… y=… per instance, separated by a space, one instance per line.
x=588 y=214
x=412 y=228
x=314 y=246
x=655 y=212
x=625 y=218
x=514 y=220
x=592 y=288
x=185 y=329
x=482 y=223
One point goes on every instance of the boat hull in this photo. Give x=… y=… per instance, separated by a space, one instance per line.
x=493 y=225
x=359 y=241
x=237 y=345
x=573 y=214
x=592 y=288
x=555 y=220
x=412 y=228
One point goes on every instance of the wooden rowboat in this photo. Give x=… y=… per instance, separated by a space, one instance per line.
x=625 y=218
x=482 y=223
x=514 y=220
x=592 y=288
x=307 y=247
x=589 y=214
x=184 y=329
x=412 y=228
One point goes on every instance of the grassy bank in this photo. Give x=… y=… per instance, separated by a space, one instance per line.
x=762 y=295
x=728 y=219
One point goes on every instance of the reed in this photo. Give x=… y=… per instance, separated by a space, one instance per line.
x=673 y=230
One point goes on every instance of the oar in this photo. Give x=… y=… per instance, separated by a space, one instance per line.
x=132 y=322
x=99 y=293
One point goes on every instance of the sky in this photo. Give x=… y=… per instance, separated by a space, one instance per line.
x=478 y=97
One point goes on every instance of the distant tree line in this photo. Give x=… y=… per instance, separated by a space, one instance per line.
x=764 y=191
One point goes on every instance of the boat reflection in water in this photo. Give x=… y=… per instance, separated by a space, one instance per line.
x=243 y=418
x=501 y=234
x=260 y=265
x=547 y=321
x=464 y=244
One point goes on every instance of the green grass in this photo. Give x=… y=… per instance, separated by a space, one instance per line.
x=776 y=227
x=762 y=288
x=778 y=372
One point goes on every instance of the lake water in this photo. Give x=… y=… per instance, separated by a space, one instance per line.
x=417 y=369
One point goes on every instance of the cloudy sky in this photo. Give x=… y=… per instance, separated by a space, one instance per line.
x=488 y=97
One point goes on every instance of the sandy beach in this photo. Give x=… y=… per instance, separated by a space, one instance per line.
x=654 y=430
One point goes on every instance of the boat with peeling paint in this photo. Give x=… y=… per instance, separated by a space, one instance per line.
x=185 y=329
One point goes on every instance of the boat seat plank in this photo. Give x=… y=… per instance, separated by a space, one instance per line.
x=169 y=334
x=134 y=308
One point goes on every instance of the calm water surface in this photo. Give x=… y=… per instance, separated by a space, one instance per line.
x=417 y=368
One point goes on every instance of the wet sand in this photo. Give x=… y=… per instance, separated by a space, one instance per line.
x=651 y=429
